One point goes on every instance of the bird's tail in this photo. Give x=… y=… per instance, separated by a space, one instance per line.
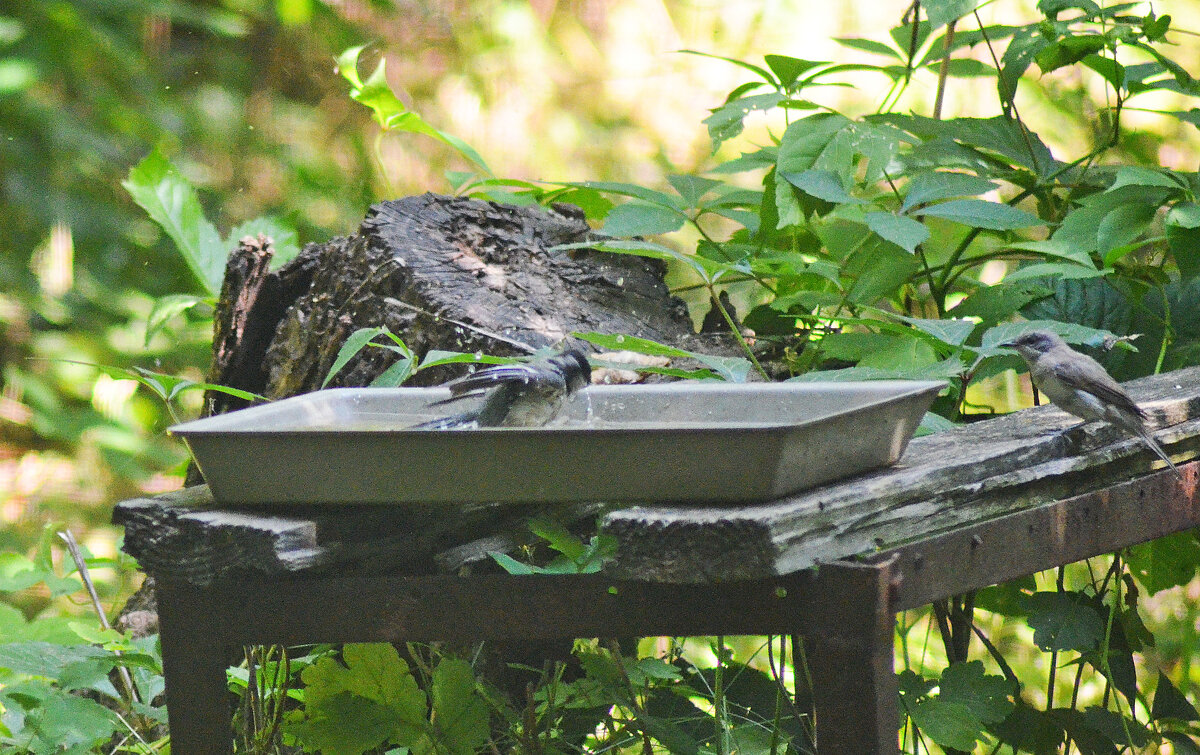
x=466 y=419
x=1156 y=448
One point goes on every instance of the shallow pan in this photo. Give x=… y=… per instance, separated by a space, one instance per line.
x=688 y=442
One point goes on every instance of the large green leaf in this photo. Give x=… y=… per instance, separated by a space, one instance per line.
x=1165 y=562
x=1183 y=235
x=822 y=184
x=942 y=12
x=997 y=302
x=937 y=185
x=982 y=214
x=987 y=697
x=170 y=200
x=950 y=724
x=1064 y=621
x=1169 y=702
x=905 y=233
x=460 y=714
x=639 y=219
x=801 y=144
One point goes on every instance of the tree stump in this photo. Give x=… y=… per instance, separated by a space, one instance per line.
x=445 y=273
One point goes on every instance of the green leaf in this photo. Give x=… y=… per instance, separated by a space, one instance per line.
x=1136 y=175
x=342 y=723
x=17 y=572
x=1169 y=702
x=373 y=673
x=1006 y=598
x=1120 y=228
x=395 y=375
x=633 y=190
x=460 y=715
x=1165 y=562
x=1064 y=621
x=982 y=214
x=878 y=272
x=1181 y=743
x=1060 y=270
x=692 y=188
x=950 y=331
x=938 y=185
x=513 y=566
x=822 y=184
x=788 y=69
x=1068 y=50
x=1183 y=237
x=387 y=109
x=934 y=423
x=1030 y=730
x=799 y=147
x=67 y=722
x=905 y=233
x=869 y=45
x=354 y=344
x=46 y=659
x=1060 y=248
x=637 y=219
x=942 y=12
x=949 y=724
x=943 y=370
x=286 y=242
x=986 y=697
x=727 y=121
x=1000 y=301
x=171 y=202
x=165 y=308
x=1113 y=726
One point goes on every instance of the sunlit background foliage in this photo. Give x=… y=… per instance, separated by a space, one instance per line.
x=243 y=96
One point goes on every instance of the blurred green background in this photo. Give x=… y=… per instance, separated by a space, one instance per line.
x=243 y=96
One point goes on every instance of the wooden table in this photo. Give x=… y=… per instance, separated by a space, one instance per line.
x=965 y=509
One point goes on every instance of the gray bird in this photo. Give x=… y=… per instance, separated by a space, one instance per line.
x=517 y=395
x=1078 y=384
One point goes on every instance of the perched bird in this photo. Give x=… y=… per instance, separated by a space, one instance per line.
x=1078 y=384
x=517 y=395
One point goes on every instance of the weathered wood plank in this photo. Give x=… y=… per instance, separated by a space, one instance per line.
x=186 y=536
x=968 y=475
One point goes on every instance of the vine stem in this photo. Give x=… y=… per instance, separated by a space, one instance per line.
x=737 y=332
x=1106 y=645
x=944 y=71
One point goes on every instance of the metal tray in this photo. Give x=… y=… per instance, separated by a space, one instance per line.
x=688 y=442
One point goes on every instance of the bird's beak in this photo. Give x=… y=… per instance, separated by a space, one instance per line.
x=1007 y=345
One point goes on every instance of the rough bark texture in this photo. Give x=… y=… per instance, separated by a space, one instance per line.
x=464 y=275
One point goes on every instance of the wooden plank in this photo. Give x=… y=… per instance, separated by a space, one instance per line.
x=1041 y=538
x=948 y=480
x=185 y=535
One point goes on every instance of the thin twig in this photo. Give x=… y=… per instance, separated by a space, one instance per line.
x=67 y=537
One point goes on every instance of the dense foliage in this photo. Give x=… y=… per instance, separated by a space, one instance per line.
x=844 y=242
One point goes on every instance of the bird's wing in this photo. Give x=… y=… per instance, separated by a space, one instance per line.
x=503 y=374
x=1088 y=375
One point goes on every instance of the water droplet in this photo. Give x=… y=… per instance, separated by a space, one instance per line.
x=620 y=339
x=478 y=355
